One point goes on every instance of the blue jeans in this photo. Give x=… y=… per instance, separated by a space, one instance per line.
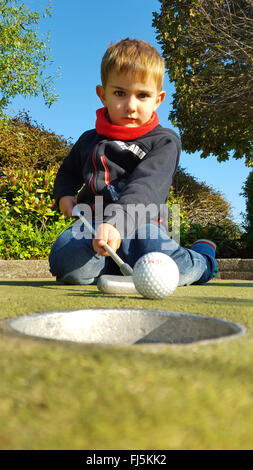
x=73 y=261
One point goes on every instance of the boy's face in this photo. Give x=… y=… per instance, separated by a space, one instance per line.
x=130 y=103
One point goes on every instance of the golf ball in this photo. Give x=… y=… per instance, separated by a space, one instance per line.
x=155 y=275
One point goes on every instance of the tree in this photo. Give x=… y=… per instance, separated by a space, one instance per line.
x=208 y=50
x=247 y=192
x=23 y=55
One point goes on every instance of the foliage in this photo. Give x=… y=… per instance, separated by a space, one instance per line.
x=248 y=222
x=206 y=214
x=177 y=209
x=26 y=144
x=29 y=220
x=23 y=55
x=204 y=205
x=25 y=241
x=227 y=236
x=208 y=50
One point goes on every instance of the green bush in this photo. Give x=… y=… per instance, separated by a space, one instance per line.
x=177 y=207
x=228 y=238
x=29 y=220
x=248 y=218
x=204 y=205
x=209 y=216
x=24 y=241
x=26 y=144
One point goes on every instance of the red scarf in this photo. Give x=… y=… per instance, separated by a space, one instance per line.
x=104 y=127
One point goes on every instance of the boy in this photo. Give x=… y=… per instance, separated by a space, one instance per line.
x=128 y=161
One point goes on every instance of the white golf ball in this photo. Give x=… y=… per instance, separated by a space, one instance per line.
x=155 y=275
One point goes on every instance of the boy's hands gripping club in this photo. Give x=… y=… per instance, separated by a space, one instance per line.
x=125 y=269
x=106 y=234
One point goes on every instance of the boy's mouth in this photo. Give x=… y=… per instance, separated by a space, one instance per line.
x=130 y=120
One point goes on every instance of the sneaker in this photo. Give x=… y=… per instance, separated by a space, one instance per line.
x=207 y=248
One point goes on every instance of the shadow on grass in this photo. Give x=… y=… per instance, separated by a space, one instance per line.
x=84 y=292
x=101 y=294
x=39 y=283
x=220 y=300
x=232 y=284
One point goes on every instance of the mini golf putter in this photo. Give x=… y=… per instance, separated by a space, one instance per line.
x=111 y=284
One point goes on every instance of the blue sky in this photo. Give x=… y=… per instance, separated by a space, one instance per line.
x=80 y=32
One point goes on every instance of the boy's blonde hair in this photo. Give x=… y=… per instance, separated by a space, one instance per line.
x=134 y=56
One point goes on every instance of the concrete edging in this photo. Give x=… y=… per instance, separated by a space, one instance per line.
x=33 y=269
x=235 y=268
x=24 y=269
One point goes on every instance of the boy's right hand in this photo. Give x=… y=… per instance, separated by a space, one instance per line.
x=66 y=204
x=106 y=233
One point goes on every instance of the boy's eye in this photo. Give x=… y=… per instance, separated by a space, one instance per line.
x=143 y=95
x=119 y=93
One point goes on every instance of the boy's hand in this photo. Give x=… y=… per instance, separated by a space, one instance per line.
x=66 y=204
x=106 y=233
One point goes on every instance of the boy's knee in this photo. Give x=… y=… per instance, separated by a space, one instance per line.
x=75 y=278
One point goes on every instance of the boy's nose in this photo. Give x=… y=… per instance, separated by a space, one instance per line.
x=130 y=105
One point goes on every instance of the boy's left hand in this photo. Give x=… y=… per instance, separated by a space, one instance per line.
x=106 y=233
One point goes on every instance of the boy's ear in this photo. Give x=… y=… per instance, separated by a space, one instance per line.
x=160 y=97
x=101 y=93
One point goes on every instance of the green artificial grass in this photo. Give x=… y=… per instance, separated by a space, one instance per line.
x=62 y=395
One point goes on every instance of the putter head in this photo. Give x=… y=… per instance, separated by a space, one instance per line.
x=112 y=284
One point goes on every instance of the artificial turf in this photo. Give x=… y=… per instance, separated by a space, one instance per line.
x=62 y=395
